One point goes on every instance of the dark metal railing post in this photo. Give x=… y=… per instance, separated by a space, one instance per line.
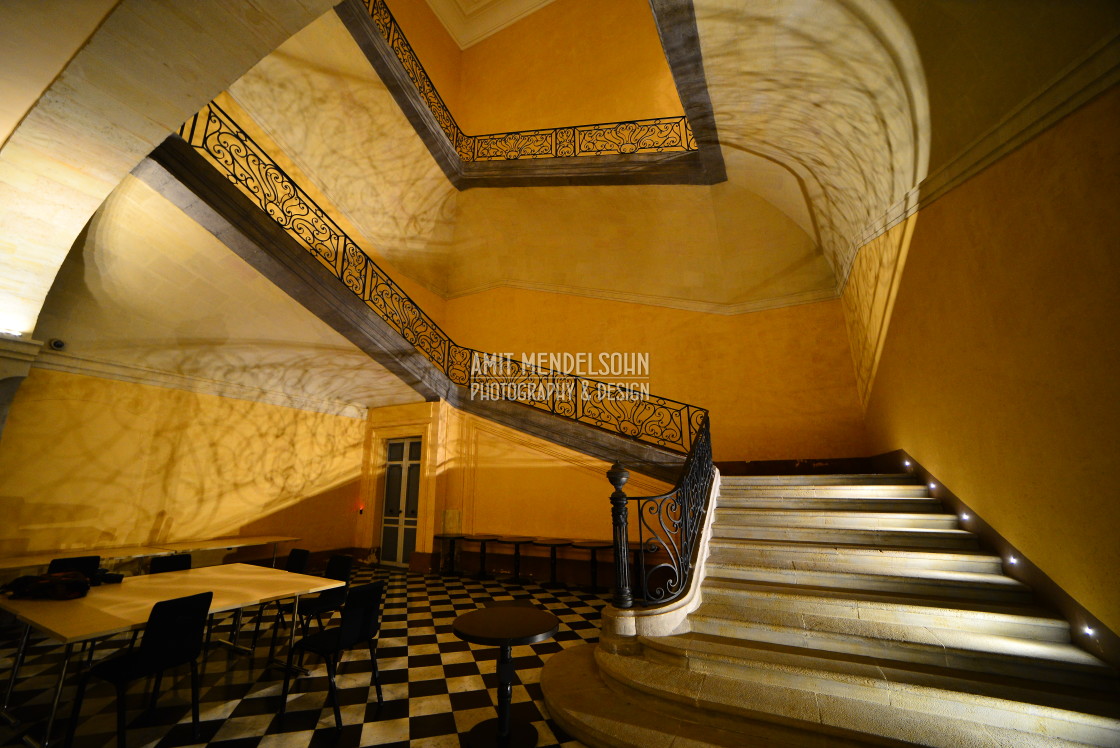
x=618 y=476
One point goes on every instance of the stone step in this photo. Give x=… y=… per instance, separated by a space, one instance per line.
x=852 y=611
x=933 y=583
x=897 y=491
x=795 y=518
x=883 y=538
x=595 y=713
x=832 y=479
x=779 y=555
x=905 y=701
x=961 y=650
x=832 y=503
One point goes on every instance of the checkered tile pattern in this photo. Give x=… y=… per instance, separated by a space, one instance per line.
x=435 y=686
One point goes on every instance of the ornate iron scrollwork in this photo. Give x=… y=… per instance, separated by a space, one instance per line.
x=640 y=416
x=669 y=528
x=613 y=138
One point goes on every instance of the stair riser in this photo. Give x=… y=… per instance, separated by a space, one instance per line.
x=897 y=651
x=877 y=479
x=833 y=504
x=740 y=518
x=881 y=538
x=866 y=563
x=855 y=492
x=931 y=718
x=904 y=585
x=895 y=623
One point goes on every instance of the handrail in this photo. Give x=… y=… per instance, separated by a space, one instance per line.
x=618 y=409
x=668 y=531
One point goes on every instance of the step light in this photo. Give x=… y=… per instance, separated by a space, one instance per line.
x=1089 y=630
x=1012 y=560
x=965 y=517
x=906 y=463
x=932 y=485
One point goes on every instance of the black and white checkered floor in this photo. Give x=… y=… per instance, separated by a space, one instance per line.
x=436 y=687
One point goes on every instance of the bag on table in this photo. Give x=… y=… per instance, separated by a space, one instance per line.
x=62 y=585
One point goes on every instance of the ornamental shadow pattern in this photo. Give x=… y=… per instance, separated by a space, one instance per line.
x=657 y=135
x=643 y=417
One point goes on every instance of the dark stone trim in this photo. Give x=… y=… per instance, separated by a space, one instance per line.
x=185 y=178
x=677 y=29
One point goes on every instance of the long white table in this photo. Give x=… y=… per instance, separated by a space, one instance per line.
x=119 y=608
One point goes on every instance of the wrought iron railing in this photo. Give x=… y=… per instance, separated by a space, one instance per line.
x=669 y=529
x=619 y=409
x=657 y=135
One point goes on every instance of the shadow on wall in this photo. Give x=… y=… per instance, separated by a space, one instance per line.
x=89 y=461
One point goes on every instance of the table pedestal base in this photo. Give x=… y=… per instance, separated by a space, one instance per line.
x=485 y=735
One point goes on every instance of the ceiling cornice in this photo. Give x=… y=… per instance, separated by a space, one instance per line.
x=470 y=21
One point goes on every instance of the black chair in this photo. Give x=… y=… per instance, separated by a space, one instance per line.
x=361 y=622
x=297 y=564
x=174 y=562
x=172 y=637
x=338 y=568
x=82 y=564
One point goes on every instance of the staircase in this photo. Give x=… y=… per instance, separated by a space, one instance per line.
x=837 y=611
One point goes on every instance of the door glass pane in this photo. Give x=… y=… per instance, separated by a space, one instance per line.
x=414 y=450
x=389 y=544
x=396 y=451
x=409 y=544
x=393 y=491
x=412 y=499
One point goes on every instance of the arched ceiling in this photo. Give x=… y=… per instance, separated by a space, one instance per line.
x=820 y=113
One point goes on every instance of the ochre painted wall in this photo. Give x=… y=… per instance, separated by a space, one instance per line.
x=778 y=383
x=1000 y=369
x=87 y=462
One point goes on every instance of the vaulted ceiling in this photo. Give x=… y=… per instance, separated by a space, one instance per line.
x=828 y=113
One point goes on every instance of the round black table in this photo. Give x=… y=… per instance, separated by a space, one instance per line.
x=506 y=627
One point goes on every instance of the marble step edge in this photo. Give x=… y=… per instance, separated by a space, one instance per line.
x=964 y=651
x=739 y=603
x=596 y=713
x=839 y=503
x=836 y=479
x=782 y=683
x=785 y=556
x=901 y=491
x=997 y=587
x=829 y=518
x=889 y=537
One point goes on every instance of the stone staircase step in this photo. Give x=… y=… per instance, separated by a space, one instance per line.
x=796 y=518
x=833 y=503
x=961 y=650
x=898 y=700
x=595 y=713
x=936 y=583
x=808 y=556
x=847 y=610
x=884 y=538
x=830 y=479
x=897 y=491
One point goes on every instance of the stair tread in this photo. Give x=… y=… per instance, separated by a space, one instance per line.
x=943 y=575
x=823 y=478
x=951 y=641
x=897 y=597
x=843 y=549
x=1100 y=702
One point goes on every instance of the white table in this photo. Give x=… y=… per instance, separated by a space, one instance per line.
x=119 y=608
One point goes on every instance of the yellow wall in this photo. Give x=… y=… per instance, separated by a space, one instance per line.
x=1000 y=369
x=576 y=62
x=89 y=462
x=779 y=383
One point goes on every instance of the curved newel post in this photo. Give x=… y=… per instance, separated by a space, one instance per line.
x=618 y=476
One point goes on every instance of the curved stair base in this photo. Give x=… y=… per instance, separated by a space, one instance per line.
x=598 y=714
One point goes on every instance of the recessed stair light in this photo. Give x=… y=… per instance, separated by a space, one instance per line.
x=1089 y=630
x=1012 y=560
x=965 y=517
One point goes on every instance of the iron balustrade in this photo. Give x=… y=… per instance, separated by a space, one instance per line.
x=656 y=135
x=669 y=528
x=628 y=411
